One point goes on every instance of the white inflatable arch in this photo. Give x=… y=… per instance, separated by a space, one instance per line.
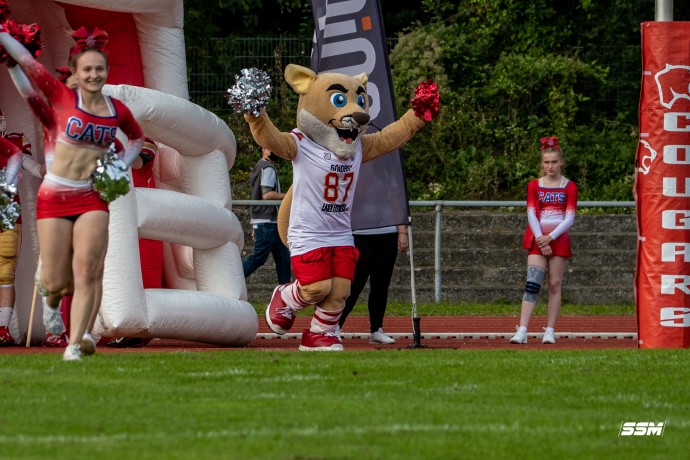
x=190 y=211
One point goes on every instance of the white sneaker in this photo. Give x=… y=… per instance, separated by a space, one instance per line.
x=548 y=335
x=52 y=320
x=72 y=353
x=87 y=346
x=381 y=337
x=520 y=336
x=337 y=332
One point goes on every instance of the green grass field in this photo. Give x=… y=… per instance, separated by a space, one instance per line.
x=483 y=309
x=392 y=404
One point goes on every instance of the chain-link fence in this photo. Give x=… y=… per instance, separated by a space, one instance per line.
x=214 y=64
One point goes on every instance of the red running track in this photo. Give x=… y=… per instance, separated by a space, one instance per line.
x=453 y=332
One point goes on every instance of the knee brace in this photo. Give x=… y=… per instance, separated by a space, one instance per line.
x=7 y=269
x=535 y=277
x=9 y=247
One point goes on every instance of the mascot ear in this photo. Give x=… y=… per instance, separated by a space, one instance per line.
x=363 y=78
x=299 y=78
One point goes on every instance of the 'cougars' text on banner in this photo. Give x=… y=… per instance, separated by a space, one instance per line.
x=662 y=188
x=349 y=38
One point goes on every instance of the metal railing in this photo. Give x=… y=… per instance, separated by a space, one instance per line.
x=438 y=206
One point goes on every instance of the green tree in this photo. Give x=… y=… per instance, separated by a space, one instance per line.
x=511 y=72
x=245 y=18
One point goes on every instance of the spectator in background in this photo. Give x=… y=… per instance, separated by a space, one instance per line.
x=378 y=250
x=266 y=186
x=12 y=147
x=551 y=207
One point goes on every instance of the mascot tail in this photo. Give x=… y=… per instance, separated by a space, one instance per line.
x=284 y=216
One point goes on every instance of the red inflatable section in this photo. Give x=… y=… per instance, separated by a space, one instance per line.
x=662 y=188
x=150 y=251
x=124 y=57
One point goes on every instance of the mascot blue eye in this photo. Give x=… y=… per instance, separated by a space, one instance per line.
x=361 y=101
x=339 y=100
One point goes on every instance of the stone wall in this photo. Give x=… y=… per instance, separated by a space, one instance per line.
x=482 y=259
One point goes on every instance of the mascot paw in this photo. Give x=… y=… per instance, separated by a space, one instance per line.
x=426 y=101
x=251 y=92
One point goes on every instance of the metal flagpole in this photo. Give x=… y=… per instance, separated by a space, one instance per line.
x=663 y=10
x=416 y=330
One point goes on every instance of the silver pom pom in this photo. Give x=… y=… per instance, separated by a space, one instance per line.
x=251 y=92
x=110 y=178
x=9 y=209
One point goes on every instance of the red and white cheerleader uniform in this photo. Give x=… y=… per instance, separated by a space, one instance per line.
x=550 y=211
x=58 y=196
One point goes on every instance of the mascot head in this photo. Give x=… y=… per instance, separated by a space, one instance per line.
x=333 y=108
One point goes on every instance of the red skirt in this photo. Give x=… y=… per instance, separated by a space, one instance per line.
x=559 y=247
x=59 y=197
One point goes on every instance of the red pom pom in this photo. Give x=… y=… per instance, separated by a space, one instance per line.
x=426 y=101
x=28 y=35
x=4 y=9
x=31 y=34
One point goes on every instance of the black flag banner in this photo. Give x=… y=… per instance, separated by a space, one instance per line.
x=349 y=38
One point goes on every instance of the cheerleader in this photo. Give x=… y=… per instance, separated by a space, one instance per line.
x=551 y=207
x=72 y=218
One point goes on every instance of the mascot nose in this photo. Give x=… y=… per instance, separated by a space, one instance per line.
x=361 y=118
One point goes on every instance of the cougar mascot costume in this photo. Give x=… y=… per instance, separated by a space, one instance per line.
x=326 y=149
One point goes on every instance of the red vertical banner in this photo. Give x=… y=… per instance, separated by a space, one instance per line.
x=662 y=188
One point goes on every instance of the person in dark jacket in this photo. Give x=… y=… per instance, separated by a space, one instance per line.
x=266 y=186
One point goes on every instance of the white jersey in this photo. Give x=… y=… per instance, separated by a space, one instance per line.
x=323 y=190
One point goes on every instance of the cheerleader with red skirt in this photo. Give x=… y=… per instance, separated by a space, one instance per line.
x=72 y=218
x=551 y=207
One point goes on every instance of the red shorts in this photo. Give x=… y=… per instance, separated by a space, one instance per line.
x=559 y=247
x=58 y=197
x=325 y=263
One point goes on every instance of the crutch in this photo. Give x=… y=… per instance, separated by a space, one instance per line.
x=31 y=316
x=37 y=276
x=416 y=320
